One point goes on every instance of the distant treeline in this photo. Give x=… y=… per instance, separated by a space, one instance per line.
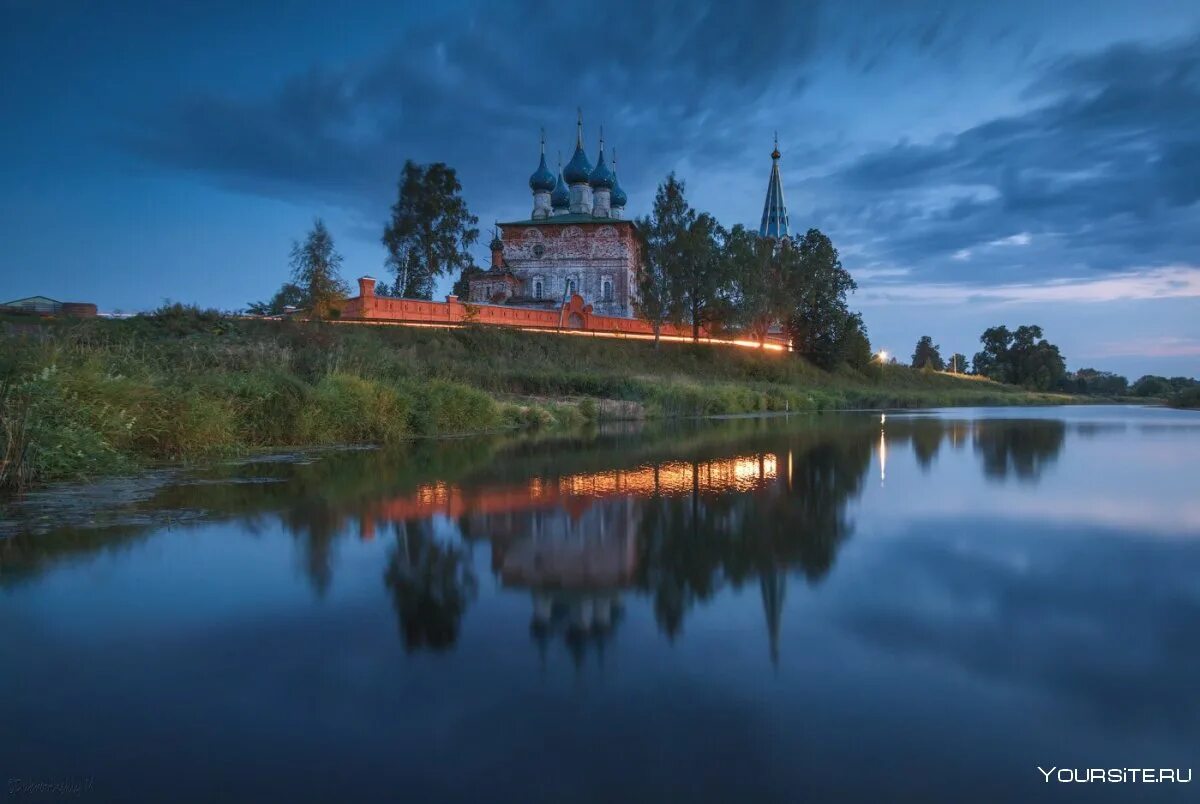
x=1023 y=357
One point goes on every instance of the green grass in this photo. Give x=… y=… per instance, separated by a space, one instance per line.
x=88 y=398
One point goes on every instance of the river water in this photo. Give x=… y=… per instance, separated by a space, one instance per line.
x=923 y=606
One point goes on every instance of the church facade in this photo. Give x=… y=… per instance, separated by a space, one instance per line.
x=575 y=241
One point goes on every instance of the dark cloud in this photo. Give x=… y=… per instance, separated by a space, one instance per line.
x=1101 y=168
x=658 y=75
x=672 y=82
x=1103 y=172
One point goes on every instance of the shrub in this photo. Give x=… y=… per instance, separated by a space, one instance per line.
x=447 y=407
x=1187 y=398
x=186 y=422
x=353 y=410
x=48 y=432
x=269 y=406
x=175 y=318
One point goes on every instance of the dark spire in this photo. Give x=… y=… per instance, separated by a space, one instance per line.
x=774 y=587
x=774 y=218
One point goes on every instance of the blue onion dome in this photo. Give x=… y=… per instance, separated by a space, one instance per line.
x=617 y=197
x=602 y=177
x=542 y=180
x=579 y=169
x=561 y=197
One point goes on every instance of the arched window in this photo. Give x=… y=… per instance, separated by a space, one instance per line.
x=606 y=289
x=572 y=287
x=537 y=288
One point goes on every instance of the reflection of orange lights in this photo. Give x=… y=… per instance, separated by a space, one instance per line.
x=742 y=473
x=675 y=477
x=435 y=494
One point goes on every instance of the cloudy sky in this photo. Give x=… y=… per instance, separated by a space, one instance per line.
x=976 y=163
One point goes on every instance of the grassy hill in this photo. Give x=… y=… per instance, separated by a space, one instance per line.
x=82 y=398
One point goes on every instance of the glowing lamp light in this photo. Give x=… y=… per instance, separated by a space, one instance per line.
x=883 y=356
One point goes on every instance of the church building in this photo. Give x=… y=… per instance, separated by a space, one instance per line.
x=575 y=241
x=578 y=241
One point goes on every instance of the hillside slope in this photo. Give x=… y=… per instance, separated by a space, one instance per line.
x=89 y=397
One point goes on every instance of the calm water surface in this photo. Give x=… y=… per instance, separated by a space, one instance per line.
x=824 y=608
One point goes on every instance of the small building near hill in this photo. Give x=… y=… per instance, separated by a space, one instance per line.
x=45 y=306
x=576 y=241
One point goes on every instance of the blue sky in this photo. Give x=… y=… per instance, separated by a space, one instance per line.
x=976 y=163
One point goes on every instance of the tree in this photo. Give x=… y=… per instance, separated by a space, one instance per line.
x=1036 y=362
x=704 y=278
x=662 y=235
x=928 y=354
x=1187 y=397
x=315 y=269
x=1022 y=357
x=1096 y=383
x=430 y=231
x=1150 y=385
x=757 y=294
x=818 y=319
x=993 y=361
x=855 y=347
x=462 y=285
x=289 y=295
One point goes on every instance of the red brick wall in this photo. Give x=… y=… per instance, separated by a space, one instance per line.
x=572 y=315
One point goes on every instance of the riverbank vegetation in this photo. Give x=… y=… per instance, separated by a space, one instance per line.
x=1022 y=357
x=1188 y=397
x=85 y=398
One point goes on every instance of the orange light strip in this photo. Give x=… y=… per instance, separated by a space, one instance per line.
x=708 y=341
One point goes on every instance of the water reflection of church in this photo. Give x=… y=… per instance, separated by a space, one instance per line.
x=676 y=532
x=577 y=542
x=576 y=565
